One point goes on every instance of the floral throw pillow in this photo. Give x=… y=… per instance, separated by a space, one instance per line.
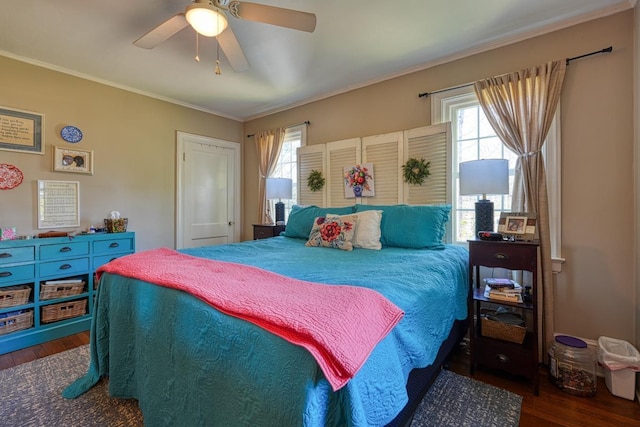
x=333 y=232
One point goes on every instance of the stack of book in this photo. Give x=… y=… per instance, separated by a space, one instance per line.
x=503 y=290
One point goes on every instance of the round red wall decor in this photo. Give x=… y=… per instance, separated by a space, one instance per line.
x=10 y=176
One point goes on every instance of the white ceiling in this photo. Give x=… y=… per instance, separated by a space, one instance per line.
x=356 y=42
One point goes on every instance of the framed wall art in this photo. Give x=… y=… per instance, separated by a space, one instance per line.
x=72 y=160
x=58 y=204
x=21 y=131
x=518 y=225
x=358 y=181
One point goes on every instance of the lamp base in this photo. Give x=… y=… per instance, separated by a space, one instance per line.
x=280 y=213
x=484 y=215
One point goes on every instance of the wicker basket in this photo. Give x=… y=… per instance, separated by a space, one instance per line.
x=64 y=310
x=502 y=331
x=14 y=295
x=116 y=225
x=59 y=290
x=16 y=322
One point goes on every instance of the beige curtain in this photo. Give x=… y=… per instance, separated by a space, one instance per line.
x=268 y=146
x=520 y=106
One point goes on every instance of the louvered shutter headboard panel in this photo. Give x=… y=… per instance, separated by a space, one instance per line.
x=340 y=154
x=431 y=143
x=310 y=158
x=385 y=153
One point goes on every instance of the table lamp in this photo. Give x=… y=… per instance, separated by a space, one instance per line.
x=279 y=188
x=486 y=176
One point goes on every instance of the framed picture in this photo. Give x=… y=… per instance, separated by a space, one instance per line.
x=72 y=160
x=518 y=225
x=358 y=181
x=58 y=204
x=21 y=131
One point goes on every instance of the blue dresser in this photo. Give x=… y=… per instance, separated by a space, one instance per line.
x=47 y=285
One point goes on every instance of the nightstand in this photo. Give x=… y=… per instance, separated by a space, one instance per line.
x=499 y=353
x=264 y=231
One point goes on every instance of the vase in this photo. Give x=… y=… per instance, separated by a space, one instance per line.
x=357 y=190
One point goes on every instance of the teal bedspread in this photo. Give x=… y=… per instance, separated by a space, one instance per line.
x=191 y=365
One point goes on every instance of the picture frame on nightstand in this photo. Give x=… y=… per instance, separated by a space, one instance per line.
x=518 y=225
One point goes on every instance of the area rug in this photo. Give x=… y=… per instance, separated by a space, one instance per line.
x=31 y=396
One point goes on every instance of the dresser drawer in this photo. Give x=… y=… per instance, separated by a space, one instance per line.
x=113 y=246
x=63 y=250
x=17 y=273
x=103 y=259
x=16 y=255
x=67 y=267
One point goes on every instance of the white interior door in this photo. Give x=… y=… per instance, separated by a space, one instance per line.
x=208 y=198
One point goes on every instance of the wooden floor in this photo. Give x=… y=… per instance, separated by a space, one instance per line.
x=551 y=408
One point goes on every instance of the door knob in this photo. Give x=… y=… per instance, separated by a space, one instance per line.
x=231 y=223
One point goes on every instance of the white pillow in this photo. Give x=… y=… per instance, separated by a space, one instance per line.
x=367 y=232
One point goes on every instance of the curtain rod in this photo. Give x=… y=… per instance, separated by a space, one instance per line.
x=605 y=50
x=287 y=127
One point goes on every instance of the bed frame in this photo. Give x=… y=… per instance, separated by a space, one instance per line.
x=420 y=380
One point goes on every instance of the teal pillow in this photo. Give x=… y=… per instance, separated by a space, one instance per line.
x=301 y=219
x=413 y=227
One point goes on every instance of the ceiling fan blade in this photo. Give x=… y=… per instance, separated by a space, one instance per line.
x=288 y=18
x=162 y=32
x=232 y=50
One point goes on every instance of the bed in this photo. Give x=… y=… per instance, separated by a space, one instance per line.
x=188 y=363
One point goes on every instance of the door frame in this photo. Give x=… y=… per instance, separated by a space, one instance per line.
x=181 y=139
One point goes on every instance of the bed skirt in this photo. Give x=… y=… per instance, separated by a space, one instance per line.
x=420 y=380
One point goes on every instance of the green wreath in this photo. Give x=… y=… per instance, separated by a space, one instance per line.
x=315 y=181
x=416 y=171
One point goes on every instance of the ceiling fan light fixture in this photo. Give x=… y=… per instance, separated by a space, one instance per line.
x=206 y=19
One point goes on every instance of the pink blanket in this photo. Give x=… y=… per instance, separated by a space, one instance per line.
x=339 y=325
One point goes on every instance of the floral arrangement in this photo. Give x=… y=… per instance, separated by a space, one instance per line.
x=416 y=171
x=357 y=177
x=315 y=182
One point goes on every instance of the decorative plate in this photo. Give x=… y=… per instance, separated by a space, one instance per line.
x=71 y=134
x=10 y=176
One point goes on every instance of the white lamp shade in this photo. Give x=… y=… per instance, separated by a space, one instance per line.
x=486 y=176
x=279 y=188
x=206 y=19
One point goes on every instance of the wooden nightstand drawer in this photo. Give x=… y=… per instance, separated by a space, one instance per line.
x=261 y=231
x=511 y=255
x=516 y=360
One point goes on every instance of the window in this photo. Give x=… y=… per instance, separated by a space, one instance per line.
x=473 y=138
x=287 y=166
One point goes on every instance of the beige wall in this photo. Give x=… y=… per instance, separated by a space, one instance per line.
x=133 y=139
x=596 y=291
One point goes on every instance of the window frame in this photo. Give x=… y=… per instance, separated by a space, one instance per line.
x=441 y=105
x=289 y=134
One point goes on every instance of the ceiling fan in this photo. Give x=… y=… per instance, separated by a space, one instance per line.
x=207 y=19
